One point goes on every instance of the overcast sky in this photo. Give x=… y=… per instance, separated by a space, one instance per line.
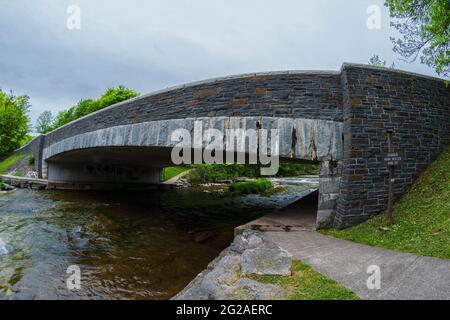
x=151 y=44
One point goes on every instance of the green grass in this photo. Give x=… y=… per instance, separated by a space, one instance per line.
x=421 y=218
x=19 y=174
x=307 y=284
x=6 y=163
x=171 y=172
x=249 y=187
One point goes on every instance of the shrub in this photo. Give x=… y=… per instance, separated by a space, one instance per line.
x=250 y=187
x=31 y=161
x=297 y=169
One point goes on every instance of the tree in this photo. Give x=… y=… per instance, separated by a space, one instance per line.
x=86 y=106
x=378 y=62
x=424 y=26
x=44 y=122
x=14 y=122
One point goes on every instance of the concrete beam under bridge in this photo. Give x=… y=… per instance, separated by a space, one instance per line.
x=107 y=168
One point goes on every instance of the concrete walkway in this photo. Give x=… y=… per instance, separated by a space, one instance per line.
x=403 y=276
x=299 y=215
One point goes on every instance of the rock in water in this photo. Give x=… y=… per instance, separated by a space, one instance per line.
x=202 y=237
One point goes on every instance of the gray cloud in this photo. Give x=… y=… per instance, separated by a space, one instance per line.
x=148 y=45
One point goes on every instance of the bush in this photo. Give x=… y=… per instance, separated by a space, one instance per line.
x=297 y=169
x=213 y=172
x=250 y=187
x=2 y=185
x=31 y=161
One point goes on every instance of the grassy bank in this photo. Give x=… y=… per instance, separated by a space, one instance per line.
x=307 y=284
x=8 y=162
x=170 y=172
x=421 y=218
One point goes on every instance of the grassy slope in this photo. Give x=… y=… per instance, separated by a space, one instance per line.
x=5 y=164
x=171 y=172
x=421 y=218
x=307 y=284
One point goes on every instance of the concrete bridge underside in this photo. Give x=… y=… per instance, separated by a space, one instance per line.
x=132 y=156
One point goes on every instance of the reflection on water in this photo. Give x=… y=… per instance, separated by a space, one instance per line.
x=129 y=245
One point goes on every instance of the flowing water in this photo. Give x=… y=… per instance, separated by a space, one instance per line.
x=127 y=245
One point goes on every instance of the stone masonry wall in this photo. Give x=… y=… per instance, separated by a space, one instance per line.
x=304 y=95
x=417 y=110
x=35 y=147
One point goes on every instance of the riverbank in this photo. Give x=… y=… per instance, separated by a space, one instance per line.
x=255 y=268
x=24 y=182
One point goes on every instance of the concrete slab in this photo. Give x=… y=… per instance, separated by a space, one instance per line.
x=300 y=215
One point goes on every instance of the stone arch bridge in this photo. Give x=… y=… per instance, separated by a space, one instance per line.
x=339 y=119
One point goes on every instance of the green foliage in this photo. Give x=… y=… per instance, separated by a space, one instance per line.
x=13 y=122
x=85 y=107
x=421 y=218
x=307 y=284
x=424 y=26
x=27 y=138
x=213 y=172
x=250 y=187
x=44 y=122
x=8 y=162
x=297 y=169
x=2 y=185
x=171 y=172
x=19 y=174
x=31 y=161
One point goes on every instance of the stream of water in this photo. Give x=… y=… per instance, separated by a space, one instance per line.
x=128 y=245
